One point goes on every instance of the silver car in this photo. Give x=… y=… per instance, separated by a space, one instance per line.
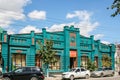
x=76 y=73
x=100 y=72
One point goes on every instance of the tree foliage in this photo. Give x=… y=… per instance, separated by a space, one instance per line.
x=46 y=52
x=106 y=61
x=91 y=65
x=116 y=6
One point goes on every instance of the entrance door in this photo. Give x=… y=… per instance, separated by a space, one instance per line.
x=73 y=59
x=73 y=62
x=38 y=61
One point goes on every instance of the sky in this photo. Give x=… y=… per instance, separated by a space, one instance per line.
x=91 y=16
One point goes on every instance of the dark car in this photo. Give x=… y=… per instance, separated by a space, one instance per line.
x=24 y=73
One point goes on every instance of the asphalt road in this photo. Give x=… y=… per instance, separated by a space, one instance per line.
x=103 y=78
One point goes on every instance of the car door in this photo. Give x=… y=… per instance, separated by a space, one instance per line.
x=109 y=71
x=26 y=73
x=77 y=73
x=17 y=74
x=82 y=72
x=105 y=70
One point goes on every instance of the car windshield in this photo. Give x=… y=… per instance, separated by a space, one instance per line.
x=72 y=70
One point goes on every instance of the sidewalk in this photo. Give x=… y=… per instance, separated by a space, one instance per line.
x=59 y=77
x=54 y=77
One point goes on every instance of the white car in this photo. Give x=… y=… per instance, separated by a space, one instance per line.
x=100 y=72
x=0 y=70
x=76 y=73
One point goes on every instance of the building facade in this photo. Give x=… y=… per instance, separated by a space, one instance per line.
x=73 y=49
x=117 y=58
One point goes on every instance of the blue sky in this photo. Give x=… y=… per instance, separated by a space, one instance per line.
x=92 y=17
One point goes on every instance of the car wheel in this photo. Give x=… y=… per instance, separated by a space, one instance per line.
x=33 y=78
x=0 y=73
x=63 y=79
x=87 y=76
x=112 y=74
x=6 y=78
x=71 y=77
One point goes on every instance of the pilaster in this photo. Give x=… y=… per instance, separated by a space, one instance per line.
x=78 y=48
x=31 y=54
x=66 y=49
x=92 y=48
x=99 y=55
x=5 y=50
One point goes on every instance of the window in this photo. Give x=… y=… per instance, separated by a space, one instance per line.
x=96 y=61
x=18 y=60
x=55 y=66
x=27 y=69
x=83 y=69
x=19 y=70
x=78 y=70
x=84 y=60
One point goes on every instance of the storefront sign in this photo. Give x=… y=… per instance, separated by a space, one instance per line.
x=19 y=51
x=73 y=53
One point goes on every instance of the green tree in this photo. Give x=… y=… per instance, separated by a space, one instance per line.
x=47 y=54
x=106 y=61
x=116 y=6
x=91 y=65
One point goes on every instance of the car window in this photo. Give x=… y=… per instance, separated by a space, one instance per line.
x=83 y=69
x=35 y=69
x=72 y=70
x=78 y=70
x=27 y=69
x=18 y=70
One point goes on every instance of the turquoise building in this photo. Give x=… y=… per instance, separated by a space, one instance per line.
x=73 y=49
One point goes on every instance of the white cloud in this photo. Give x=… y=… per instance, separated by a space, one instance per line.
x=85 y=24
x=98 y=36
x=58 y=27
x=82 y=15
x=105 y=42
x=11 y=10
x=29 y=28
x=10 y=31
x=86 y=27
x=41 y=15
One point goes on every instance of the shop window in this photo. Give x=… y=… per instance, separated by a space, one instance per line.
x=84 y=60
x=55 y=66
x=18 y=60
x=96 y=61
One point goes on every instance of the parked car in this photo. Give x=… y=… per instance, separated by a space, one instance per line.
x=24 y=73
x=76 y=73
x=0 y=70
x=100 y=72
